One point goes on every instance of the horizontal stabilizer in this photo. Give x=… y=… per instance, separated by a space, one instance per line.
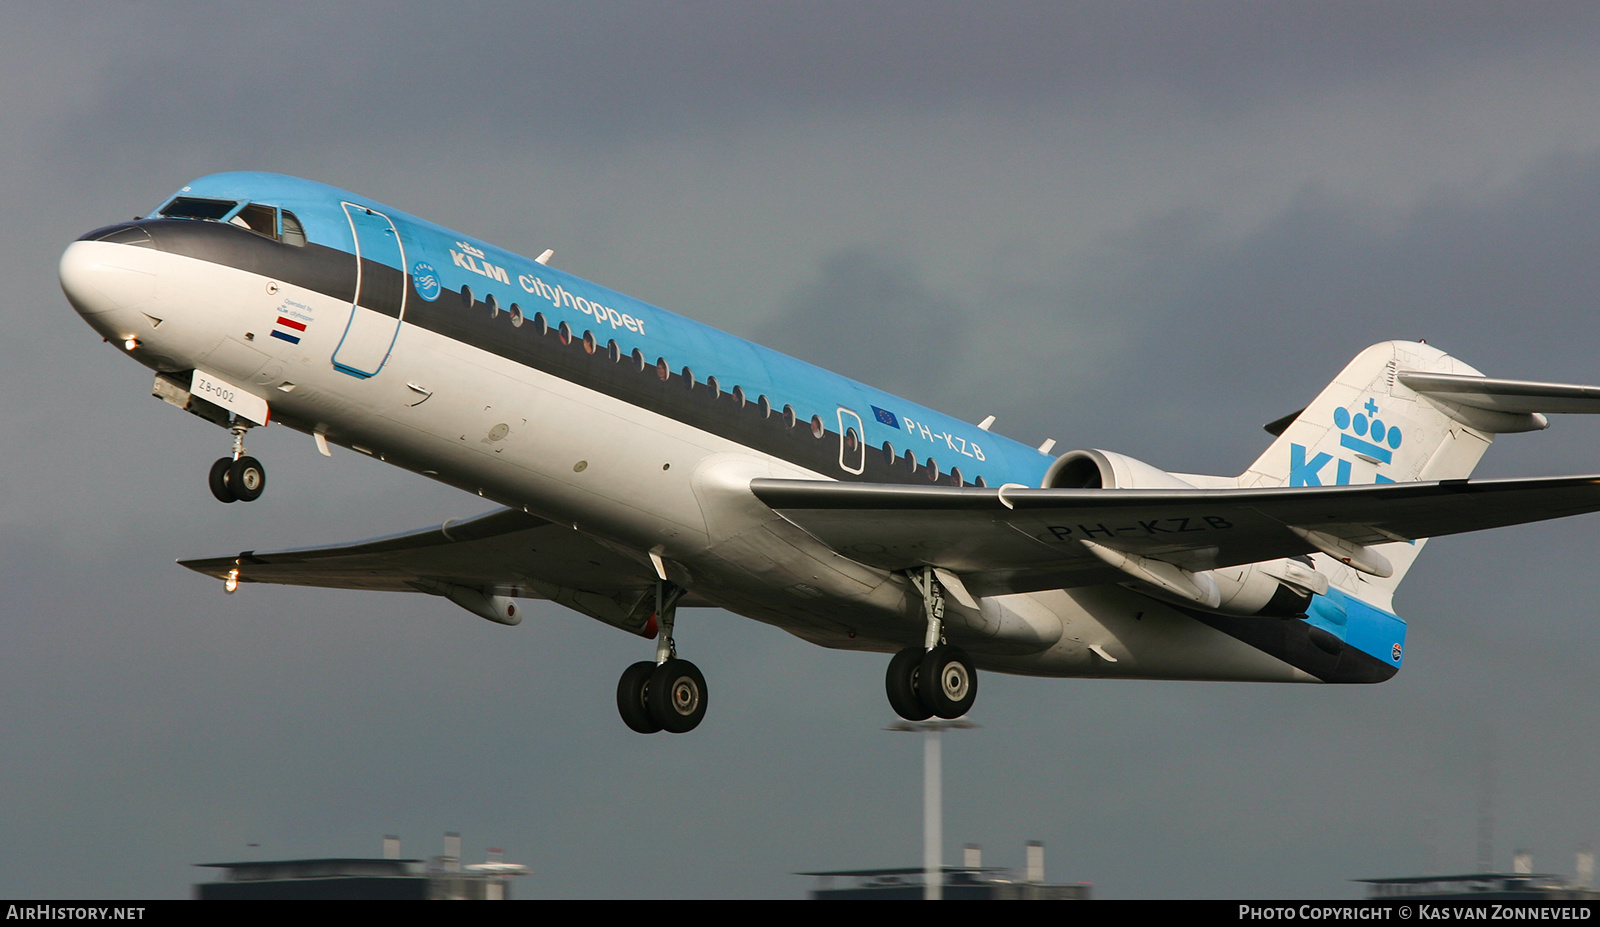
x=1514 y=397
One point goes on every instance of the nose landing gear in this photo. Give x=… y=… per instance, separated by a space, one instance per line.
x=667 y=694
x=239 y=478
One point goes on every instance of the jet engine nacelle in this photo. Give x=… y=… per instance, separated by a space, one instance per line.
x=1094 y=469
x=1275 y=588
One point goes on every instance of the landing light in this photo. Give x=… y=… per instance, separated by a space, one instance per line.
x=130 y=343
x=231 y=584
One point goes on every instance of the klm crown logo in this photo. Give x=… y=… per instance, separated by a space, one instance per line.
x=1365 y=425
x=1361 y=432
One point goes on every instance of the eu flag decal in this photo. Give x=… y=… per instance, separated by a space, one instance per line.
x=886 y=417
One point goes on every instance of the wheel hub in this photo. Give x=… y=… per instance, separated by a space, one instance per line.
x=685 y=696
x=955 y=681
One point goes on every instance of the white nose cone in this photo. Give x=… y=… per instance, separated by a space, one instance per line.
x=100 y=277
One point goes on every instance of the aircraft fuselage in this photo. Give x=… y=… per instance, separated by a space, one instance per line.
x=636 y=427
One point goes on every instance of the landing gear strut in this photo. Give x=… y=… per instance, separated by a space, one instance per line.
x=239 y=478
x=936 y=678
x=667 y=694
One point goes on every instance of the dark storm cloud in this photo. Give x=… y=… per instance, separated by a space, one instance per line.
x=1506 y=281
x=1218 y=333
x=576 y=75
x=869 y=316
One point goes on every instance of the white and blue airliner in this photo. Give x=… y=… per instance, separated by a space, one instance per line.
x=647 y=462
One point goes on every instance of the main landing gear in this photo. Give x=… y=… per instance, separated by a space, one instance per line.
x=935 y=679
x=239 y=478
x=667 y=694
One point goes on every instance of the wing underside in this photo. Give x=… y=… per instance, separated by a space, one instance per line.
x=1017 y=540
x=504 y=552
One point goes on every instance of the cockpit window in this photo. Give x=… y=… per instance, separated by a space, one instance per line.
x=267 y=221
x=263 y=220
x=194 y=207
x=293 y=232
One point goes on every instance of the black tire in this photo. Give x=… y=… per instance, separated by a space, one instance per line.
x=631 y=703
x=677 y=696
x=901 y=685
x=947 y=682
x=219 y=480
x=247 y=479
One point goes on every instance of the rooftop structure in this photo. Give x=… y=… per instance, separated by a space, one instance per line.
x=390 y=878
x=1521 y=884
x=971 y=881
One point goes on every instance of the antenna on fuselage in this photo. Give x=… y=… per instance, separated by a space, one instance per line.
x=545 y=257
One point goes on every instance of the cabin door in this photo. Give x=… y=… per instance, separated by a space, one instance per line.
x=380 y=294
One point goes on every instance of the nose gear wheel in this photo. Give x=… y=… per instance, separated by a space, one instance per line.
x=239 y=478
x=218 y=480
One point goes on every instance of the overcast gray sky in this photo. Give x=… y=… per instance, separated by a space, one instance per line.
x=1138 y=226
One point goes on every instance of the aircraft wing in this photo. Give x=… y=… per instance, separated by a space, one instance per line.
x=504 y=552
x=1017 y=540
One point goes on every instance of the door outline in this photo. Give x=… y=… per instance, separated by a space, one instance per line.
x=852 y=461
x=369 y=333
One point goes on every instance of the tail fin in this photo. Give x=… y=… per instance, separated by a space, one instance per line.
x=1368 y=426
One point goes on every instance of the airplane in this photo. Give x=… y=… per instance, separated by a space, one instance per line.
x=645 y=462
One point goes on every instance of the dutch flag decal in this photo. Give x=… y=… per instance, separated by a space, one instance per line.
x=292 y=325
